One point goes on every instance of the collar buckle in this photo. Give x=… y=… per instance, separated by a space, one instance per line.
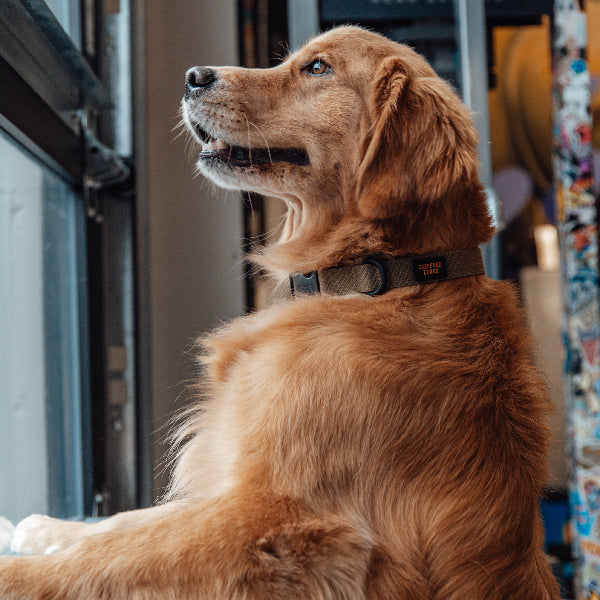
x=305 y=283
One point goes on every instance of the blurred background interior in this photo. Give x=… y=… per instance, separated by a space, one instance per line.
x=114 y=256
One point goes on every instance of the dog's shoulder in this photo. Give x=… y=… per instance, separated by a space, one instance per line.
x=457 y=324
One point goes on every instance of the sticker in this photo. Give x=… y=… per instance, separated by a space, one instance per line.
x=578 y=236
x=590 y=344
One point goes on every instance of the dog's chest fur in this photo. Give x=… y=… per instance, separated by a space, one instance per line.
x=352 y=399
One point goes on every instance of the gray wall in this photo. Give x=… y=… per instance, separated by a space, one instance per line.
x=189 y=231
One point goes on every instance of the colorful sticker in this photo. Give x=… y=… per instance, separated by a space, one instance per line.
x=578 y=235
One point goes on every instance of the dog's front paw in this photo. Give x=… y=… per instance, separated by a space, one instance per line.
x=38 y=534
x=7 y=530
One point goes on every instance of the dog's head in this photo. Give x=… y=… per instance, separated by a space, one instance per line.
x=357 y=134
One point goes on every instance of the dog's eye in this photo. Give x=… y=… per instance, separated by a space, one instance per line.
x=318 y=67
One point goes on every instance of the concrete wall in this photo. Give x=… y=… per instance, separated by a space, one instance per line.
x=189 y=231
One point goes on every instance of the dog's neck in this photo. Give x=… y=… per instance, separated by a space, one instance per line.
x=318 y=244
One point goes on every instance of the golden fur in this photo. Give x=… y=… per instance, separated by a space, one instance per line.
x=350 y=447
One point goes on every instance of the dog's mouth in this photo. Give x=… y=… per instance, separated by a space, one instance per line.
x=217 y=149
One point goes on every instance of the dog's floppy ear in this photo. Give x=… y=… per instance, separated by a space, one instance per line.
x=421 y=143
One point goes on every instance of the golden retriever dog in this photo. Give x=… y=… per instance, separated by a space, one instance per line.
x=379 y=435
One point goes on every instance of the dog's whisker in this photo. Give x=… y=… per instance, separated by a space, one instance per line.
x=263 y=137
x=248 y=135
x=179 y=127
x=261 y=238
x=248 y=197
x=285 y=47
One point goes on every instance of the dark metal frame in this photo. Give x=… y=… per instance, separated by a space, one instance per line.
x=44 y=74
x=376 y=11
x=142 y=257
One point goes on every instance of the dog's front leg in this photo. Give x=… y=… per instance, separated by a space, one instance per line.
x=244 y=546
x=39 y=534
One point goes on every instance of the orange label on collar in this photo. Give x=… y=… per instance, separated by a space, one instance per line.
x=429 y=269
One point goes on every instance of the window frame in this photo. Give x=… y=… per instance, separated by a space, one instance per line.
x=53 y=104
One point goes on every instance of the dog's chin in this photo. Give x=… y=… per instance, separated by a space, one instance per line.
x=260 y=178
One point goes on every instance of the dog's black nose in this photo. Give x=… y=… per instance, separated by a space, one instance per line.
x=197 y=78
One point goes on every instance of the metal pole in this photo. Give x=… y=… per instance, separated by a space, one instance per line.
x=471 y=41
x=303 y=21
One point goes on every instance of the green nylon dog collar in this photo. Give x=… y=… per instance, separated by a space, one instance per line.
x=376 y=275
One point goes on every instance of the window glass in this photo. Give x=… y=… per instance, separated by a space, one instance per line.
x=42 y=339
x=68 y=14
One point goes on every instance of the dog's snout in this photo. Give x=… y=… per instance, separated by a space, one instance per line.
x=198 y=78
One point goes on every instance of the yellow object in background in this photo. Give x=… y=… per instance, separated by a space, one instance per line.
x=521 y=103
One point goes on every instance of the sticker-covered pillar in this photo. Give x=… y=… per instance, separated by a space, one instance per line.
x=578 y=236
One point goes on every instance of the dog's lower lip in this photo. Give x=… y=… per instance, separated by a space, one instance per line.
x=217 y=149
x=240 y=156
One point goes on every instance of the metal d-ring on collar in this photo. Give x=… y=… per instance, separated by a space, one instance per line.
x=382 y=284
